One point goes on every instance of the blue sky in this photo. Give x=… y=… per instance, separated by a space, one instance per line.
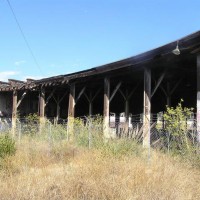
x=72 y=35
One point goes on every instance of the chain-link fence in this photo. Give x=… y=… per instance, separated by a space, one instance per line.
x=88 y=131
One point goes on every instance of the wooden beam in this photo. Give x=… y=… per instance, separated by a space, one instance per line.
x=198 y=98
x=90 y=100
x=122 y=94
x=197 y=50
x=115 y=90
x=163 y=89
x=86 y=96
x=50 y=96
x=127 y=115
x=176 y=85
x=42 y=103
x=147 y=108
x=71 y=107
x=106 y=108
x=71 y=112
x=80 y=94
x=63 y=96
x=22 y=97
x=90 y=104
x=57 y=108
x=97 y=92
x=158 y=83
x=14 y=112
x=133 y=91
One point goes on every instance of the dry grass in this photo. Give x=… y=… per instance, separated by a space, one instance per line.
x=35 y=172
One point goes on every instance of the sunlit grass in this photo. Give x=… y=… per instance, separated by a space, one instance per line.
x=117 y=169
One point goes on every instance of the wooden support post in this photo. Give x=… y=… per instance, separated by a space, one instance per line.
x=106 y=107
x=127 y=113
x=90 y=104
x=57 y=109
x=198 y=98
x=71 y=111
x=147 y=108
x=42 y=105
x=90 y=99
x=14 y=112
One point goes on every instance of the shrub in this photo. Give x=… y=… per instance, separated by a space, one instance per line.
x=176 y=127
x=7 y=146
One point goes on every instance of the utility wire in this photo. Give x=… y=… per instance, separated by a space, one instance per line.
x=24 y=37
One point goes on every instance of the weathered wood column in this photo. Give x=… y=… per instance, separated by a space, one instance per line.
x=14 y=112
x=90 y=105
x=71 y=110
x=57 y=108
x=198 y=98
x=147 y=108
x=127 y=113
x=106 y=108
x=42 y=105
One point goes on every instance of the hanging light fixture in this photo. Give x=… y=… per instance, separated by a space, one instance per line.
x=176 y=51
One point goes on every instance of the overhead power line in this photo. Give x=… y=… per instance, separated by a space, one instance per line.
x=24 y=37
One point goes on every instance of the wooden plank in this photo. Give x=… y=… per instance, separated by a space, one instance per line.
x=158 y=83
x=198 y=98
x=147 y=108
x=22 y=97
x=106 y=108
x=115 y=90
